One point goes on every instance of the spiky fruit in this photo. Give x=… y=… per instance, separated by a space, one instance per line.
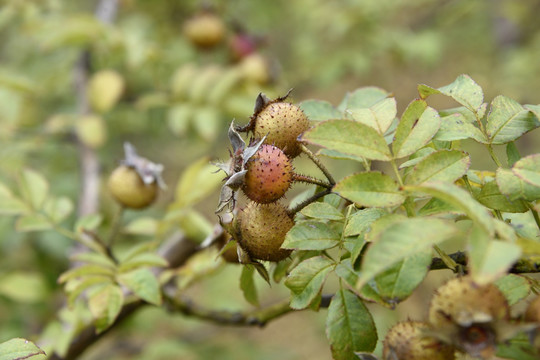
x=409 y=340
x=128 y=188
x=281 y=123
x=269 y=175
x=263 y=229
x=204 y=30
x=469 y=316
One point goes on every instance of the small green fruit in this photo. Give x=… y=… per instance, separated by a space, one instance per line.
x=269 y=175
x=408 y=340
x=281 y=123
x=127 y=187
x=263 y=229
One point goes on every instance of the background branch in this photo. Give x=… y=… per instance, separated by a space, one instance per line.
x=89 y=164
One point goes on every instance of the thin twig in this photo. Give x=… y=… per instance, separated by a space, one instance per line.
x=259 y=317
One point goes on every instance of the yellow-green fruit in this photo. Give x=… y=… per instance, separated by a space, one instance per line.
x=408 y=341
x=205 y=30
x=462 y=302
x=127 y=187
x=263 y=229
x=105 y=89
x=256 y=68
x=281 y=123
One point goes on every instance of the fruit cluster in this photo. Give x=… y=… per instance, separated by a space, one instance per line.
x=465 y=317
x=263 y=172
x=206 y=30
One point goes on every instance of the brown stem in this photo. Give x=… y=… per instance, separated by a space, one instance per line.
x=311 y=180
x=308 y=201
x=522 y=266
x=259 y=317
x=317 y=162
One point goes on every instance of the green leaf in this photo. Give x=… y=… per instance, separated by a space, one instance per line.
x=463 y=90
x=23 y=287
x=514 y=287
x=455 y=127
x=444 y=165
x=147 y=259
x=518 y=348
x=349 y=326
x=105 y=305
x=399 y=281
x=143 y=283
x=247 y=285
x=141 y=226
x=34 y=188
x=138 y=249
x=370 y=189
x=322 y=211
x=10 y=204
x=512 y=153
x=419 y=123
x=179 y=117
x=86 y=270
x=400 y=240
x=306 y=280
x=198 y=181
x=508 y=120
x=360 y=221
x=364 y=97
x=349 y=137
x=491 y=197
x=490 y=259
x=514 y=187
x=58 y=209
x=528 y=169
x=459 y=199
x=74 y=30
x=417 y=157
x=75 y=288
x=339 y=156
x=436 y=206
x=19 y=349
x=317 y=110
x=207 y=122
x=88 y=222
x=33 y=222
x=379 y=116
x=311 y=235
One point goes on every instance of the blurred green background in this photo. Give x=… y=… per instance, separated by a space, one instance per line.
x=175 y=101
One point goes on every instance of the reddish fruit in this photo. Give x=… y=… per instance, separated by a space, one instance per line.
x=263 y=229
x=127 y=187
x=242 y=45
x=408 y=340
x=269 y=175
x=205 y=30
x=281 y=123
